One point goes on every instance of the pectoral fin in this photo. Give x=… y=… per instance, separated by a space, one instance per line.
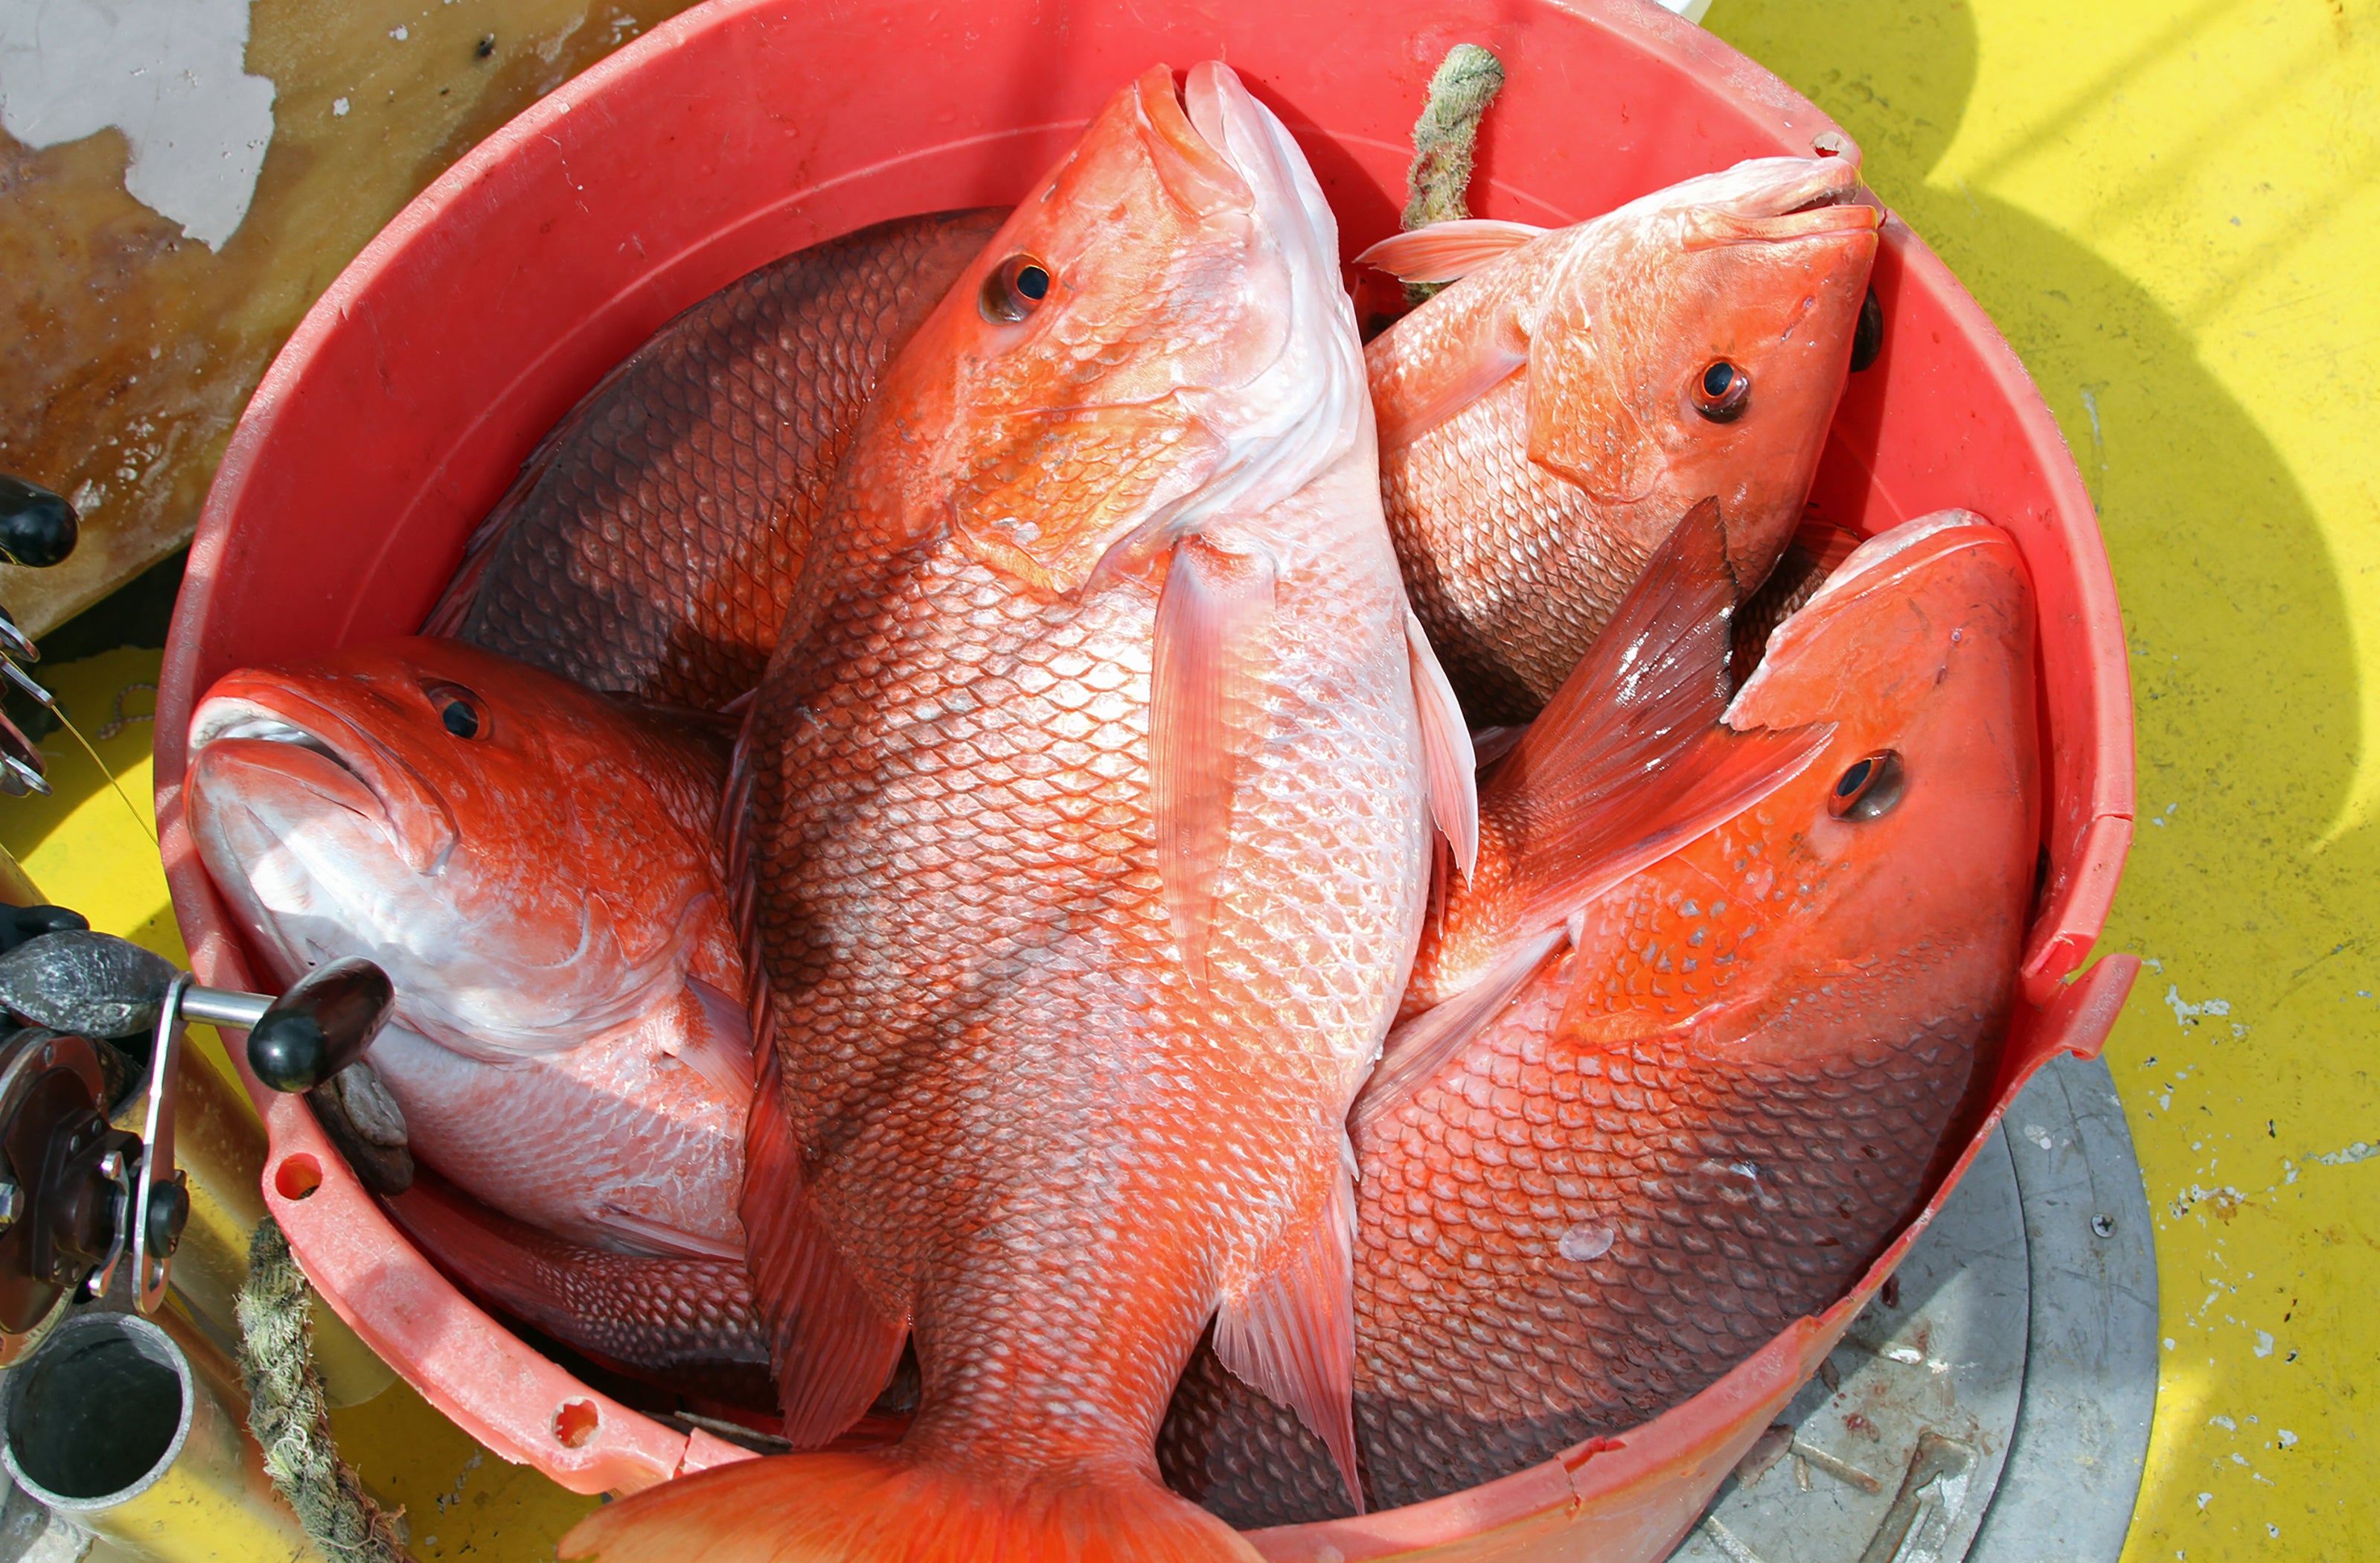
x=1448 y=761
x=1214 y=620
x=1626 y=764
x=1628 y=761
x=1444 y=251
x=1422 y=1046
x=708 y=1032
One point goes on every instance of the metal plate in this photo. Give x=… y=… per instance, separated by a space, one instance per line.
x=1994 y=1405
x=2091 y=1366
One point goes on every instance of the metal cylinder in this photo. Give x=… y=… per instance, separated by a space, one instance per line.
x=108 y=1425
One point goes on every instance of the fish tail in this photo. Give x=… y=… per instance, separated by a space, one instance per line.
x=879 y=1507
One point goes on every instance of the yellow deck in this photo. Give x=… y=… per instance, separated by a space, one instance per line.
x=2173 y=213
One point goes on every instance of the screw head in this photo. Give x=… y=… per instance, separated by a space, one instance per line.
x=111 y=1166
x=2104 y=1226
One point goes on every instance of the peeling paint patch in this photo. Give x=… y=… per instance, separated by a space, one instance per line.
x=2223 y=1202
x=2185 y=1014
x=2361 y=1150
x=170 y=73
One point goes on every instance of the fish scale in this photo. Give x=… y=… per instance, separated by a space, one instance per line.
x=683 y=1323
x=1705 y=1263
x=1531 y=1135
x=652 y=540
x=1058 y=871
x=1512 y=568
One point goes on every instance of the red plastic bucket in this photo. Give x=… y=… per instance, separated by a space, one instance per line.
x=749 y=128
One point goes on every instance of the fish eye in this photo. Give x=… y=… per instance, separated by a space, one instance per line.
x=1016 y=289
x=459 y=711
x=1870 y=788
x=1723 y=391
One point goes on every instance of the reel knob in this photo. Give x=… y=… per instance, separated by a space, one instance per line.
x=38 y=528
x=324 y=1024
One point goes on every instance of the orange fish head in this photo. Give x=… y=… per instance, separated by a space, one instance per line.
x=487 y=832
x=1919 y=825
x=1157 y=335
x=1695 y=343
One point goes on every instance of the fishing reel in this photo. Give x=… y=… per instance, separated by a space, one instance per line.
x=88 y=1185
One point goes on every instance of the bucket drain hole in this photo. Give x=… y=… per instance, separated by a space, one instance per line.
x=297 y=1176
x=575 y=1423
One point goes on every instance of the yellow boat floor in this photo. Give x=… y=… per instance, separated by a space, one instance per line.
x=2172 y=213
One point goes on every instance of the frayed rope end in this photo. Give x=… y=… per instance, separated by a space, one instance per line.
x=1444 y=139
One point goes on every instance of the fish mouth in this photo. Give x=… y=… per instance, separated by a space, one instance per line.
x=1302 y=408
x=262 y=727
x=1188 y=156
x=346 y=767
x=1777 y=199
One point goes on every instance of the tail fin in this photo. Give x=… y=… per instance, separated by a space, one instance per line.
x=882 y=1507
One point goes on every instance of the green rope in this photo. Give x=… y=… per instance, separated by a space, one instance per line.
x=291 y=1419
x=1444 y=136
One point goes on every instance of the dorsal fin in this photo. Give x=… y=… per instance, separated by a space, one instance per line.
x=1626 y=764
x=833 y=1349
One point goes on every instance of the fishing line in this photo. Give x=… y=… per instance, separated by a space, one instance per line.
x=130 y=807
x=49 y=700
